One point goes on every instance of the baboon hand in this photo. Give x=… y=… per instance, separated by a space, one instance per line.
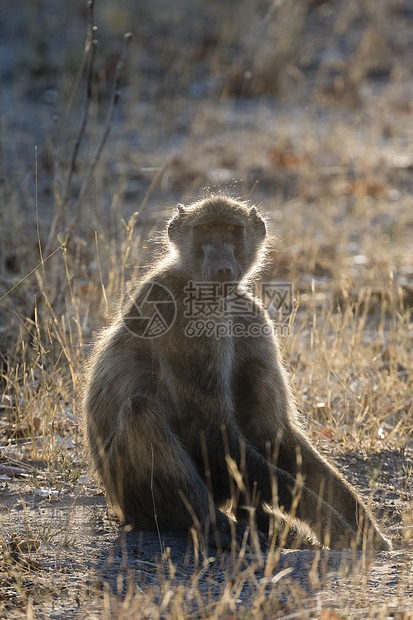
x=225 y=533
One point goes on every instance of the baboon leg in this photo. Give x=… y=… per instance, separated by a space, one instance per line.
x=302 y=502
x=325 y=518
x=295 y=455
x=339 y=511
x=273 y=486
x=150 y=478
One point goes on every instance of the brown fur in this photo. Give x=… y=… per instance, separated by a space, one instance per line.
x=164 y=414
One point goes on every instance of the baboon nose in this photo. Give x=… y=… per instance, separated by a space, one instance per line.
x=223 y=275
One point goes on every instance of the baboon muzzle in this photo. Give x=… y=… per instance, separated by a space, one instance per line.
x=220 y=264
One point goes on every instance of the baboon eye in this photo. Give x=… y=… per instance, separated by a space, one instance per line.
x=205 y=228
x=230 y=228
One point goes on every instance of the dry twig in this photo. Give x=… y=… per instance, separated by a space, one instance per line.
x=106 y=131
x=61 y=204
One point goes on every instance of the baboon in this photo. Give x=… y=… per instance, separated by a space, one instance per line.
x=186 y=397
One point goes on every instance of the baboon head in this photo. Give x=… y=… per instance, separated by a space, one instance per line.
x=218 y=239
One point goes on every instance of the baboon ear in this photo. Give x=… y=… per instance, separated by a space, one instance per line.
x=258 y=223
x=175 y=223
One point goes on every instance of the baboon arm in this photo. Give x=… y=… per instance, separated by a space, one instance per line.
x=263 y=400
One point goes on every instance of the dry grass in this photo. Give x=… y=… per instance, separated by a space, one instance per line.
x=335 y=185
